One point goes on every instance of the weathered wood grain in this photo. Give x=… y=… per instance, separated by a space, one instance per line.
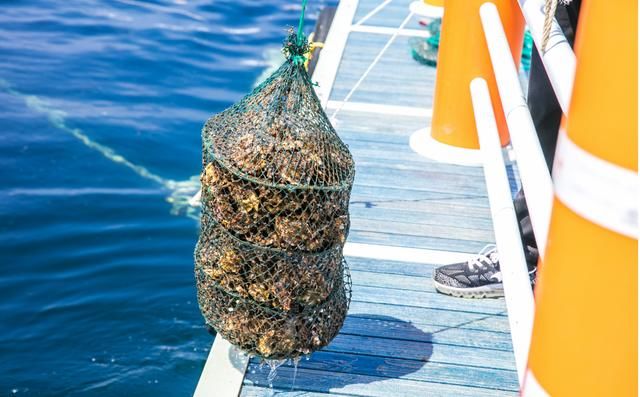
x=365 y=385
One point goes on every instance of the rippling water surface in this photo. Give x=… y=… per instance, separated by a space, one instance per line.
x=101 y=104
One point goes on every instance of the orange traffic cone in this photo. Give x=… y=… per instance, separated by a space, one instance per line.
x=428 y=8
x=463 y=56
x=585 y=333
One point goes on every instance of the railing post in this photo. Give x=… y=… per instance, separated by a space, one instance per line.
x=536 y=180
x=513 y=265
x=462 y=57
x=585 y=333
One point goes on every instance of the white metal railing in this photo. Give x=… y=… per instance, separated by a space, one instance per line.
x=517 y=285
x=559 y=62
x=536 y=179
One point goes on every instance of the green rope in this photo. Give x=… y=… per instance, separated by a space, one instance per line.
x=301 y=23
x=296 y=44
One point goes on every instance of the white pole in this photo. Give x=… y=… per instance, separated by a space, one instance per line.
x=558 y=59
x=536 y=180
x=513 y=265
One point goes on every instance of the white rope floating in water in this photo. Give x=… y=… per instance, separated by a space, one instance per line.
x=180 y=191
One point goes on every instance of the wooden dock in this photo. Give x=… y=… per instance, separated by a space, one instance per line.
x=408 y=214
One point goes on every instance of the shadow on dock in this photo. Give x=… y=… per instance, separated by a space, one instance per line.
x=364 y=352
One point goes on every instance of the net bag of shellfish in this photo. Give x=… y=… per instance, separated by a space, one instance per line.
x=276 y=183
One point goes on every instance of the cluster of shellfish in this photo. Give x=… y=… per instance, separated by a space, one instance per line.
x=272 y=334
x=279 y=279
x=303 y=220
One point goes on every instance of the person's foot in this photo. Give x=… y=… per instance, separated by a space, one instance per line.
x=479 y=277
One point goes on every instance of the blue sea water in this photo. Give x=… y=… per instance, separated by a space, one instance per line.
x=101 y=105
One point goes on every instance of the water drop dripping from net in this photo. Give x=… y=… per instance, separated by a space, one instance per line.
x=273 y=372
x=295 y=361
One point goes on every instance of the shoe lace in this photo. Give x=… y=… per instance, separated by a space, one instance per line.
x=488 y=256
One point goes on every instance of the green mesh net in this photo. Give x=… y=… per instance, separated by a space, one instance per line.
x=276 y=183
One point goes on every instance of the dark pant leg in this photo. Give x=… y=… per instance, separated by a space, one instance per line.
x=543 y=104
x=526 y=230
x=546 y=114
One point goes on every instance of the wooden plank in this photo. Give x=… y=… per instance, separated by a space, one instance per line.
x=389 y=31
x=381 y=109
x=377 y=193
x=433 y=230
x=407 y=268
x=428 y=181
x=397 y=280
x=398 y=240
x=389 y=146
x=374 y=136
x=422 y=351
x=365 y=150
x=261 y=391
x=402 y=254
x=422 y=214
x=489 y=378
x=365 y=385
x=223 y=372
x=354 y=126
x=391 y=296
x=422 y=202
x=405 y=216
x=382 y=327
x=413 y=165
x=423 y=179
x=373 y=122
x=366 y=160
x=424 y=315
x=423 y=207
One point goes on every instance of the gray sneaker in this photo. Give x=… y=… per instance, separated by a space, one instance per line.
x=479 y=277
